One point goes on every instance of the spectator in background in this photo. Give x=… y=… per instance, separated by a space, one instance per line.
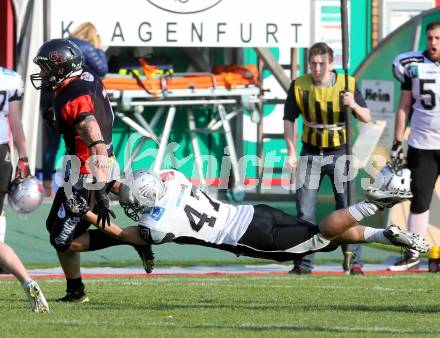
x=86 y=37
x=320 y=98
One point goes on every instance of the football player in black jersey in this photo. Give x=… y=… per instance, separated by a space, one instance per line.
x=83 y=115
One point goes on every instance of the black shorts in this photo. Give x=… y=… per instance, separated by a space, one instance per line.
x=62 y=227
x=6 y=172
x=273 y=234
x=425 y=168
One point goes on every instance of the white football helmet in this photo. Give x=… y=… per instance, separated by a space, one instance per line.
x=25 y=194
x=394 y=179
x=147 y=188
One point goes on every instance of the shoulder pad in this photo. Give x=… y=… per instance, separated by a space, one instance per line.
x=11 y=82
x=403 y=61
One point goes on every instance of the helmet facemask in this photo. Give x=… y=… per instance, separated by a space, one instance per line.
x=58 y=60
x=146 y=189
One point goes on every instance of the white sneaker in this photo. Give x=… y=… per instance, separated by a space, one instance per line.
x=406 y=239
x=36 y=297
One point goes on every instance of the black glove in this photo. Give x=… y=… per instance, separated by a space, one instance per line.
x=397 y=152
x=77 y=205
x=103 y=210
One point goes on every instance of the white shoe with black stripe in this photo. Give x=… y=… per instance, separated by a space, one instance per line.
x=406 y=239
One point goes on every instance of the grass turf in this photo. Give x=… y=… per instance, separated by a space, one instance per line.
x=232 y=306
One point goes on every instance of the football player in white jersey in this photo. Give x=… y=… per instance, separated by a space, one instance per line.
x=171 y=208
x=11 y=91
x=419 y=74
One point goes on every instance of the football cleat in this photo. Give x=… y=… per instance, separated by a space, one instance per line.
x=387 y=198
x=75 y=297
x=406 y=239
x=405 y=263
x=36 y=298
x=147 y=256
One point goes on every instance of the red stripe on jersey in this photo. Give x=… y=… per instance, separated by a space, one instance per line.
x=72 y=109
x=167 y=176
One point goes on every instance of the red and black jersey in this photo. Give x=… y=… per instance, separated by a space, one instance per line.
x=76 y=99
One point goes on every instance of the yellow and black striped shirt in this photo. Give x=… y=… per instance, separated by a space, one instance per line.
x=322 y=110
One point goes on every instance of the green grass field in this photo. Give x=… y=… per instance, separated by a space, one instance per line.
x=406 y=305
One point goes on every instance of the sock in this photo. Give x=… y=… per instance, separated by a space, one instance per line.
x=74 y=284
x=375 y=235
x=361 y=210
x=418 y=224
x=26 y=283
x=2 y=227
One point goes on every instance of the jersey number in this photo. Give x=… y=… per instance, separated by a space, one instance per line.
x=192 y=213
x=2 y=99
x=203 y=218
x=423 y=91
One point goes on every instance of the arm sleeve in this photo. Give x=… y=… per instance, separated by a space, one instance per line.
x=291 y=108
x=76 y=110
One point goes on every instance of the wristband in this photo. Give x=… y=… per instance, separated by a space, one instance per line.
x=95 y=143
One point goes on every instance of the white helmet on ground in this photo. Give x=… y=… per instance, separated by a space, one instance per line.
x=25 y=194
x=147 y=188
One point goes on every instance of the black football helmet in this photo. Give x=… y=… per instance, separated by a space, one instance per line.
x=57 y=59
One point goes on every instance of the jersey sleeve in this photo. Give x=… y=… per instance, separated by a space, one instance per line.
x=402 y=65
x=399 y=69
x=291 y=108
x=12 y=84
x=358 y=97
x=76 y=110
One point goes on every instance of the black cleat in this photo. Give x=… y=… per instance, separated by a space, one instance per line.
x=147 y=256
x=299 y=270
x=75 y=297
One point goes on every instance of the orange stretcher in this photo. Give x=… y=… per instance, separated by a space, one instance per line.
x=228 y=77
x=228 y=89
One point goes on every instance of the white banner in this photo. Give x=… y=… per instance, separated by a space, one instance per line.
x=188 y=23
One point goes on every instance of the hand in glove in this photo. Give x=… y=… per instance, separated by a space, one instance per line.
x=103 y=210
x=22 y=169
x=397 y=152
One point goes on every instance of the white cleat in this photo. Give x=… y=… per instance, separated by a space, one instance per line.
x=406 y=239
x=36 y=297
x=387 y=198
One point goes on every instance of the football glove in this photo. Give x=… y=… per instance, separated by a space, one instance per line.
x=22 y=170
x=103 y=210
x=77 y=205
x=396 y=154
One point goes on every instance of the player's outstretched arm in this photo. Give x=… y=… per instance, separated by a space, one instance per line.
x=129 y=234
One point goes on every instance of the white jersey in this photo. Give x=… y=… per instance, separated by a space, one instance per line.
x=11 y=89
x=422 y=76
x=186 y=211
